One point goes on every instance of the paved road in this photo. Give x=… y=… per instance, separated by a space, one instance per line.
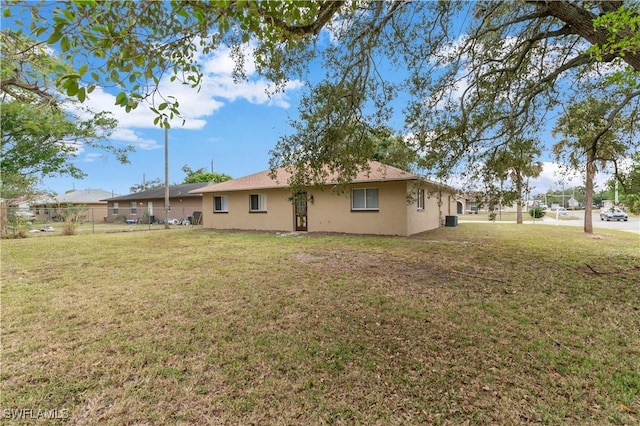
x=632 y=225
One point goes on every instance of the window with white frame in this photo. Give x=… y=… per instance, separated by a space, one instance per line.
x=258 y=202
x=115 y=208
x=220 y=204
x=134 y=208
x=420 y=199
x=364 y=199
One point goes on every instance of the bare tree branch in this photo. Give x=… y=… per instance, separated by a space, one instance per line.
x=6 y=86
x=614 y=112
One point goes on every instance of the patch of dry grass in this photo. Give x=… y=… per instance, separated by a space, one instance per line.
x=504 y=325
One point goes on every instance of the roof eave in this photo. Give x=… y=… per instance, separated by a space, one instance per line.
x=259 y=188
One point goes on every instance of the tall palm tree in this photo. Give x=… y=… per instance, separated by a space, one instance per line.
x=591 y=139
x=517 y=163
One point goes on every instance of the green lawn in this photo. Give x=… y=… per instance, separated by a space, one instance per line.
x=470 y=324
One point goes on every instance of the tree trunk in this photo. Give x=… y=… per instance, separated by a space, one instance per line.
x=518 y=182
x=588 y=196
x=3 y=218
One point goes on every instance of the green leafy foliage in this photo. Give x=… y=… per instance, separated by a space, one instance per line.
x=595 y=133
x=146 y=184
x=537 y=213
x=41 y=130
x=131 y=44
x=622 y=27
x=201 y=175
x=510 y=166
x=471 y=100
x=629 y=187
x=466 y=96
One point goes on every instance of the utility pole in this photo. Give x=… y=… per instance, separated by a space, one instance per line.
x=167 y=207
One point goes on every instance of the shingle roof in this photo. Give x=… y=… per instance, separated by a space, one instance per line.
x=155 y=193
x=83 y=196
x=377 y=172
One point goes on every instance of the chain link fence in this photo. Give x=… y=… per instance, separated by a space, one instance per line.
x=85 y=220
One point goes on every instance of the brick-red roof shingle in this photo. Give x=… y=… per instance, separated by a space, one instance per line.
x=377 y=172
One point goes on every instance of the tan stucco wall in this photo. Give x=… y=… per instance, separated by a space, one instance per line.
x=422 y=220
x=330 y=212
x=437 y=204
x=279 y=215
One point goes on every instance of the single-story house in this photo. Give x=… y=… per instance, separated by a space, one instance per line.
x=149 y=205
x=383 y=200
x=20 y=203
x=89 y=200
x=474 y=203
x=20 y=207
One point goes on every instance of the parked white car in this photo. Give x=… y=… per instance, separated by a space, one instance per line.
x=613 y=213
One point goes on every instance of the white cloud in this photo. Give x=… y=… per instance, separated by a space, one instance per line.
x=219 y=81
x=99 y=100
x=133 y=138
x=554 y=177
x=90 y=157
x=221 y=61
x=217 y=90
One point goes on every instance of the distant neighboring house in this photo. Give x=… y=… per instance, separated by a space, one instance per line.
x=149 y=204
x=20 y=203
x=471 y=203
x=49 y=208
x=376 y=203
x=21 y=207
x=474 y=203
x=574 y=204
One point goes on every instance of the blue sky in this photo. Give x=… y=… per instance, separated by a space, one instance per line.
x=230 y=126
